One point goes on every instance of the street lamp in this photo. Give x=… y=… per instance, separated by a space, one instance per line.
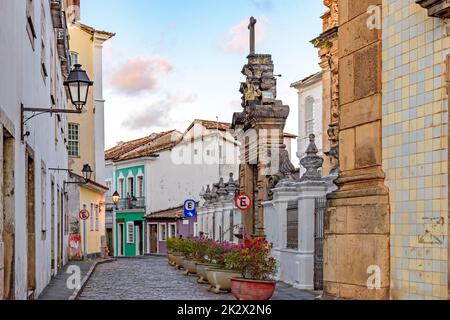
x=87 y=173
x=78 y=85
x=115 y=199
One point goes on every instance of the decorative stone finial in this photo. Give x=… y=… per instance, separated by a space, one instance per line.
x=214 y=194
x=231 y=188
x=207 y=195
x=222 y=191
x=202 y=193
x=312 y=162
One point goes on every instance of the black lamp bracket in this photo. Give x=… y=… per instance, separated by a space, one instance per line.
x=35 y=112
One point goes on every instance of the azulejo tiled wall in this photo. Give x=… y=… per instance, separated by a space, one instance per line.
x=415 y=148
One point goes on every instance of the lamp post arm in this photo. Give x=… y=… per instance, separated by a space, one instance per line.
x=37 y=112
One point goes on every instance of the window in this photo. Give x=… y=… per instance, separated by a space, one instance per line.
x=130 y=232
x=96 y=218
x=109 y=186
x=74 y=59
x=74 y=140
x=195 y=229
x=309 y=116
x=130 y=186
x=91 y=218
x=43 y=42
x=172 y=230
x=140 y=187
x=30 y=24
x=292 y=226
x=121 y=188
x=162 y=232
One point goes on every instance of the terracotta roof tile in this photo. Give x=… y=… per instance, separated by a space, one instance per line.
x=174 y=213
x=211 y=125
x=144 y=147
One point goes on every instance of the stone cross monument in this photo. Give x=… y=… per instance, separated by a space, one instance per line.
x=260 y=128
x=251 y=27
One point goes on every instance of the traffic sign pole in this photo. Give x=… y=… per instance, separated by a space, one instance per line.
x=84 y=240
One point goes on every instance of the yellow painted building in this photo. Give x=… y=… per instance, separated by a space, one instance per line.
x=92 y=197
x=86 y=146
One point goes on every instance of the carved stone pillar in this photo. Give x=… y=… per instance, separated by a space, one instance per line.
x=327 y=43
x=260 y=129
x=357 y=224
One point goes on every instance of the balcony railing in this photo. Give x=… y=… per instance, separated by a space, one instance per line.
x=131 y=203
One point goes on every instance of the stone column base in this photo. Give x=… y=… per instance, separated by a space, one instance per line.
x=357 y=238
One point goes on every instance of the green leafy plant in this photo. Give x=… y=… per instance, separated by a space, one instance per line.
x=186 y=247
x=173 y=245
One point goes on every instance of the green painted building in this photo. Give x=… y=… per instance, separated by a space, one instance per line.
x=129 y=221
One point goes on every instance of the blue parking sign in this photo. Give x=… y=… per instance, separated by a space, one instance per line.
x=190 y=209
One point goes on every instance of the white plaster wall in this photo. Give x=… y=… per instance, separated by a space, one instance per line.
x=99 y=104
x=21 y=82
x=314 y=90
x=173 y=183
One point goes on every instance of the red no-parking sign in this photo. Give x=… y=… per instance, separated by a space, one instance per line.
x=243 y=202
x=84 y=215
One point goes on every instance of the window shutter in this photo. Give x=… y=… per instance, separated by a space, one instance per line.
x=130 y=232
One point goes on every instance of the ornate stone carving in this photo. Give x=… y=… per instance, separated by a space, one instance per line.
x=283 y=177
x=260 y=85
x=328 y=52
x=263 y=115
x=312 y=162
x=331 y=17
x=436 y=8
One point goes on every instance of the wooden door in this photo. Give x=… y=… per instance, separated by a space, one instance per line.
x=31 y=226
x=153 y=238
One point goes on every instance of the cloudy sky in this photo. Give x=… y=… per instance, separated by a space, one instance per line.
x=173 y=61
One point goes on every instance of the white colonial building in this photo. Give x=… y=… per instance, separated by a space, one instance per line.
x=155 y=175
x=310 y=113
x=33 y=220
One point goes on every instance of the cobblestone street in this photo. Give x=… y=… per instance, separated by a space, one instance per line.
x=151 y=278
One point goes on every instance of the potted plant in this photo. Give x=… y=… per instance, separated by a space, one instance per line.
x=200 y=249
x=175 y=256
x=172 y=250
x=189 y=263
x=257 y=268
x=220 y=276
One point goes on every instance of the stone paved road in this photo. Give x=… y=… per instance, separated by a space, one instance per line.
x=151 y=278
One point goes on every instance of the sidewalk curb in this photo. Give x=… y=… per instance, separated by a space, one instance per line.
x=78 y=292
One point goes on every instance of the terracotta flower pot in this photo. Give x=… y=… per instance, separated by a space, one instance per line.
x=252 y=290
x=202 y=271
x=190 y=266
x=220 y=280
